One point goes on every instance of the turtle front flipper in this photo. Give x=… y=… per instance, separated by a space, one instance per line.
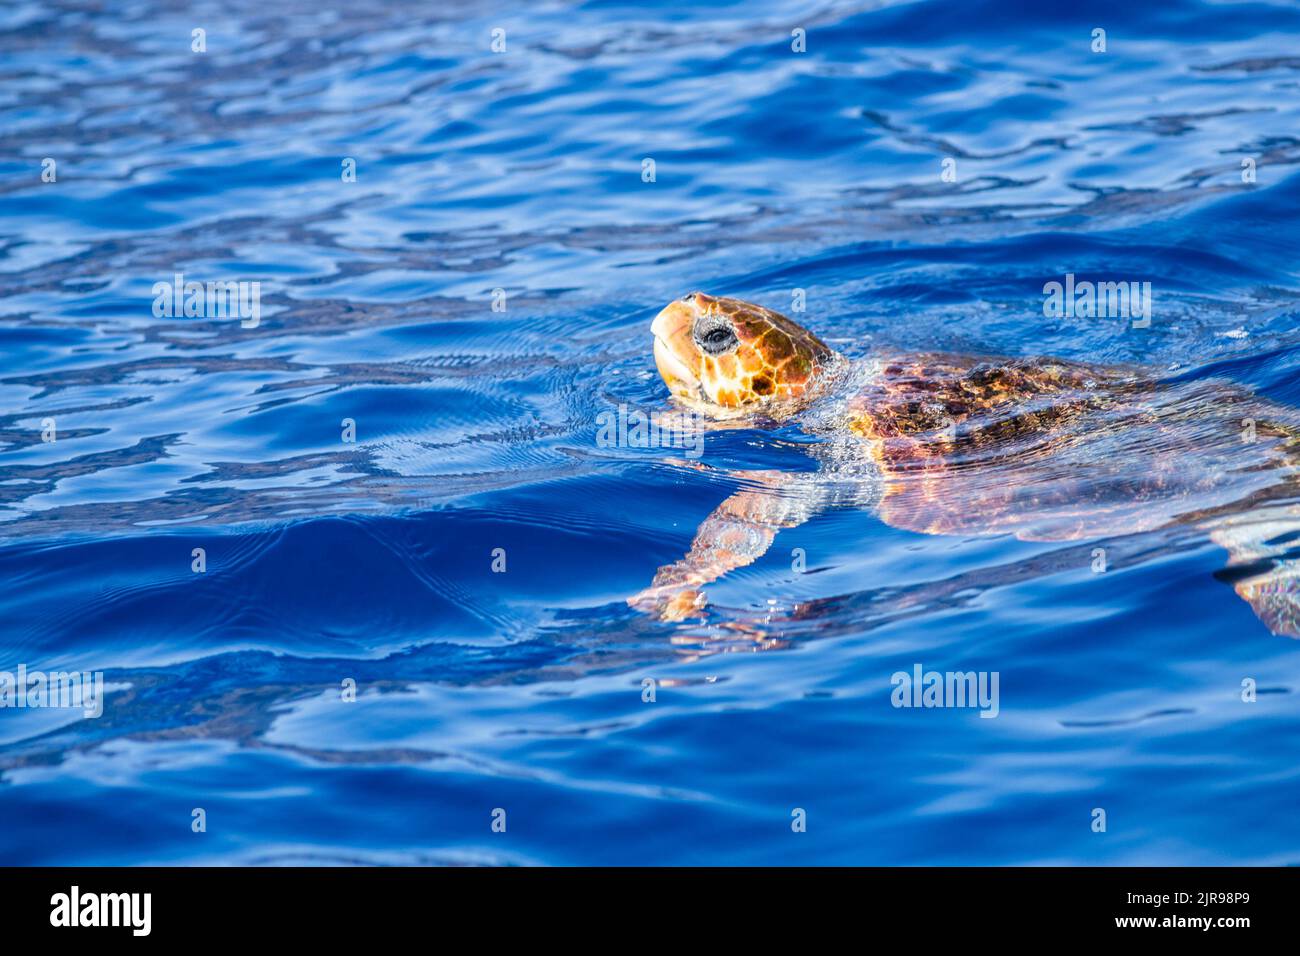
x=737 y=533
x=1264 y=563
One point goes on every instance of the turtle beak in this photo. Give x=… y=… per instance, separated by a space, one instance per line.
x=675 y=352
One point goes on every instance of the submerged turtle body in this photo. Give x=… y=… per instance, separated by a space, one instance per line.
x=1052 y=450
x=1044 y=449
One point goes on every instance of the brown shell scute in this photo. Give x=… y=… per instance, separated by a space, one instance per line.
x=1055 y=450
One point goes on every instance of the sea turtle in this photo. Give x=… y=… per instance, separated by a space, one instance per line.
x=1043 y=449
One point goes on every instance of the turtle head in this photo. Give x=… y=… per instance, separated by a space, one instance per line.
x=721 y=356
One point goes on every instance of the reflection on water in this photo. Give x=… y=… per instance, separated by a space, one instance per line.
x=328 y=560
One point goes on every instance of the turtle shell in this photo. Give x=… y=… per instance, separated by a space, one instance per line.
x=1051 y=450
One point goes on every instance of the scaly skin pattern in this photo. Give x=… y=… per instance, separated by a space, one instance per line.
x=1043 y=449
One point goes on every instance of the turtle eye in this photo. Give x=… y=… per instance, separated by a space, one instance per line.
x=715 y=338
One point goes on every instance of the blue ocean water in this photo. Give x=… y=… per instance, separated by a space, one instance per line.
x=521 y=170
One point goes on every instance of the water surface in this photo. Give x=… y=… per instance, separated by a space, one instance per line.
x=522 y=171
